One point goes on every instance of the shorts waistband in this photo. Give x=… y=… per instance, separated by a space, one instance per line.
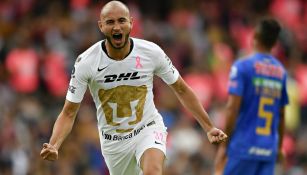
x=135 y=132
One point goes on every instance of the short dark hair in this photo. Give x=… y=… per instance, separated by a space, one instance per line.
x=267 y=32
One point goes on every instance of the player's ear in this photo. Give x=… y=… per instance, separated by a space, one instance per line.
x=100 y=25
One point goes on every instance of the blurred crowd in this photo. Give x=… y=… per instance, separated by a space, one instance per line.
x=40 y=40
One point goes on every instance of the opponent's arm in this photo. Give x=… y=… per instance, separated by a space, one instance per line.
x=231 y=113
x=61 y=129
x=189 y=100
x=281 y=130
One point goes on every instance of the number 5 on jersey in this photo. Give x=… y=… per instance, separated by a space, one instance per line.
x=266 y=115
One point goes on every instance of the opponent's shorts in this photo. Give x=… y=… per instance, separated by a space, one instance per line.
x=128 y=162
x=248 y=167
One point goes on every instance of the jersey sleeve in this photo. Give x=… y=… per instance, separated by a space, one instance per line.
x=165 y=68
x=78 y=82
x=284 y=95
x=236 y=80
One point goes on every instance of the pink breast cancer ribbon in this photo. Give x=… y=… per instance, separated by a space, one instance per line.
x=138 y=62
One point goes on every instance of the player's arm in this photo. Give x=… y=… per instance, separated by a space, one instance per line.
x=189 y=100
x=231 y=113
x=281 y=130
x=281 y=127
x=61 y=129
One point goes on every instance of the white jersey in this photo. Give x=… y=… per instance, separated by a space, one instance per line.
x=121 y=90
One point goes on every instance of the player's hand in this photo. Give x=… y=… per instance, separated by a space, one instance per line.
x=216 y=135
x=49 y=152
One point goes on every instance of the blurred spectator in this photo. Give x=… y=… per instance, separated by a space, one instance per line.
x=301 y=78
x=201 y=83
x=54 y=73
x=22 y=64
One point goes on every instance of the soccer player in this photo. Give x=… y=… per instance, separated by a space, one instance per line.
x=119 y=73
x=255 y=108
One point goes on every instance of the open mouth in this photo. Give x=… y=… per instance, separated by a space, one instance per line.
x=117 y=36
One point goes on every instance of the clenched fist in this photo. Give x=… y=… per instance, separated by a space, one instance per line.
x=216 y=136
x=49 y=152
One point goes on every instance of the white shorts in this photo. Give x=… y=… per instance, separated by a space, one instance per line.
x=128 y=161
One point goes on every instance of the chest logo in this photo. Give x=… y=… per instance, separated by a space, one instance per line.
x=101 y=69
x=121 y=77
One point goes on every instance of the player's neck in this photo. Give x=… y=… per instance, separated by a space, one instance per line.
x=118 y=54
x=262 y=50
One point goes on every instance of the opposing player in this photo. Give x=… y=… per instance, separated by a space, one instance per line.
x=255 y=109
x=119 y=73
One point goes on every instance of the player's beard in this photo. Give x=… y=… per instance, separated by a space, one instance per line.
x=109 y=39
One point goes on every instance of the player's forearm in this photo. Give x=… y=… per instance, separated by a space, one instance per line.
x=189 y=100
x=230 y=121
x=281 y=128
x=231 y=113
x=61 y=129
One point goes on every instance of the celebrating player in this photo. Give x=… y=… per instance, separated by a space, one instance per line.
x=119 y=73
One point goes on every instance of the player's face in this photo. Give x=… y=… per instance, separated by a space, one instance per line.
x=116 y=25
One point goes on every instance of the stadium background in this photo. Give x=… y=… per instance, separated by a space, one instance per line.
x=40 y=40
